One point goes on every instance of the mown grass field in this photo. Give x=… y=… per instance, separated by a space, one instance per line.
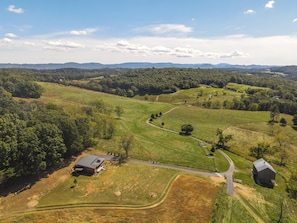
x=207 y=121
x=129 y=184
x=150 y=143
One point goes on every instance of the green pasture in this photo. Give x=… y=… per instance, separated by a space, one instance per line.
x=241 y=88
x=197 y=96
x=150 y=143
x=194 y=96
x=207 y=121
x=202 y=94
x=247 y=127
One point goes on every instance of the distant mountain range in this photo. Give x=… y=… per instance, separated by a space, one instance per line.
x=132 y=65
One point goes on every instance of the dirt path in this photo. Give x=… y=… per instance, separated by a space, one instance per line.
x=250 y=210
x=252 y=201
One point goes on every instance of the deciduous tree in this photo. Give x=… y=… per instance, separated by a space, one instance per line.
x=260 y=150
x=222 y=140
x=187 y=129
x=126 y=144
x=119 y=110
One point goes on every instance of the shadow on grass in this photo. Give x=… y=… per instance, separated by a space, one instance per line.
x=184 y=133
x=18 y=184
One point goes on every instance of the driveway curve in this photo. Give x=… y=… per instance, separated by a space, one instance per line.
x=227 y=174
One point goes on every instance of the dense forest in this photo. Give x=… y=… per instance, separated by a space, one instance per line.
x=19 y=86
x=37 y=136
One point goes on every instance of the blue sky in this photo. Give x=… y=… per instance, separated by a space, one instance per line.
x=117 y=31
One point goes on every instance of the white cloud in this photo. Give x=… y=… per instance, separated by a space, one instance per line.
x=233 y=54
x=161 y=49
x=122 y=43
x=29 y=43
x=139 y=48
x=62 y=45
x=249 y=11
x=184 y=50
x=12 y=8
x=236 y=49
x=83 y=32
x=269 y=5
x=5 y=42
x=176 y=29
x=294 y=20
x=211 y=55
x=10 y=35
x=171 y=47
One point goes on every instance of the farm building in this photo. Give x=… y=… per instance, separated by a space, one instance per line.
x=89 y=164
x=263 y=172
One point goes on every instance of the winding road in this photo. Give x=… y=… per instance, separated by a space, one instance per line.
x=228 y=174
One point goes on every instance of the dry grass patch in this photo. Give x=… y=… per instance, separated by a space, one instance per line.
x=244 y=139
x=190 y=199
x=253 y=201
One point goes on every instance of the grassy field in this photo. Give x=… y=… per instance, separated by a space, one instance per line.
x=150 y=143
x=185 y=202
x=196 y=96
x=207 y=121
x=140 y=185
x=130 y=184
x=193 y=95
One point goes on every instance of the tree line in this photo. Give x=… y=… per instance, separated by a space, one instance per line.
x=19 y=86
x=281 y=90
x=36 y=136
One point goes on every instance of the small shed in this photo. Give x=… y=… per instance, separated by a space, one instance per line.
x=89 y=164
x=264 y=173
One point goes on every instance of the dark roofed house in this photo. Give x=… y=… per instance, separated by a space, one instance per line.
x=89 y=164
x=263 y=172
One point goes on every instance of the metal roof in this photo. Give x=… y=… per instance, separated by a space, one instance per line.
x=261 y=164
x=90 y=161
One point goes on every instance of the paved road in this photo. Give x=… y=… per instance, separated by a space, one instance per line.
x=228 y=174
x=175 y=168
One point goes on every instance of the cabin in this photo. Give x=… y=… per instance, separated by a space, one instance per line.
x=89 y=164
x=264 y=174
